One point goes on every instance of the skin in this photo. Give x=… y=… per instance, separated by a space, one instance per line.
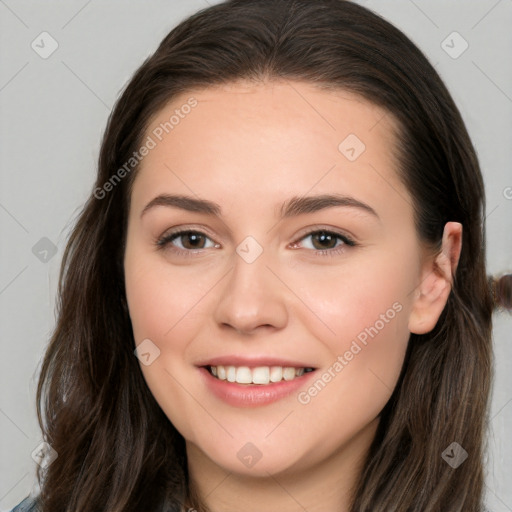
x=249 y=148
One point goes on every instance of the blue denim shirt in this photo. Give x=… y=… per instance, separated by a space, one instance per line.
x=29 y=504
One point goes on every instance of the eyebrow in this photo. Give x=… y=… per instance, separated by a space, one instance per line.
x=293 y=207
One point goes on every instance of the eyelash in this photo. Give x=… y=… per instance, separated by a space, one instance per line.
x=165 y=240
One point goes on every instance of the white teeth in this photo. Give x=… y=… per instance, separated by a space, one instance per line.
x=231 y=374
x=261 y=375
x=221 y=372
x=276 y=373
x=288 y=373
x=243 y=375
x=258 y=375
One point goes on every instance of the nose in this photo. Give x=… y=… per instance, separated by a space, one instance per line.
x=252 y=298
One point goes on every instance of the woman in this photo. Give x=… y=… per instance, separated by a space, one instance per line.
x=276 y=296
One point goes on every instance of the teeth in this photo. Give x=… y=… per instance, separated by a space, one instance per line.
x=243 y=375
x=231 y=374
x=288 y=373
x=276 y=373
x=259 y=375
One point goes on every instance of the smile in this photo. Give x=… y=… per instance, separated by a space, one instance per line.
x=262 y=375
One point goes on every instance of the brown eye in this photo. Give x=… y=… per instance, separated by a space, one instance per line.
x=186 y=241
x=192 y=240
x=324 y=240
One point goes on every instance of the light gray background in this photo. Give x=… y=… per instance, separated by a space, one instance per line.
x=54 y=110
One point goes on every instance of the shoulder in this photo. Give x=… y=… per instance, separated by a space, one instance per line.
x=29 y=504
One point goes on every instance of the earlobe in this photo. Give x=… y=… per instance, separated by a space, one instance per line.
x=436 y=281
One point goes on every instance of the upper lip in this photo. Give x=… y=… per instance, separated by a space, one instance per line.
x=253 y=362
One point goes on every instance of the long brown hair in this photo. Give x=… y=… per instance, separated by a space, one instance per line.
x=117 y=450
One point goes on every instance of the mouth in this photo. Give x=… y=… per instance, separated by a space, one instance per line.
x=259 y=375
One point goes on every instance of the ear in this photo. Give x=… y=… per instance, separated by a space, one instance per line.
x=437 y=274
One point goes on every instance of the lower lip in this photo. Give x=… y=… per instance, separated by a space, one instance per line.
x=252 y=395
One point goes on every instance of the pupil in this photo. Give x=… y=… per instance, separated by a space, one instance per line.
x=192 y=240
x=324 y=237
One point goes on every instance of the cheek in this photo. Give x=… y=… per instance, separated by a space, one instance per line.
x=364 y=311
x=369 y=291
x=163 y=308
x=161 y=297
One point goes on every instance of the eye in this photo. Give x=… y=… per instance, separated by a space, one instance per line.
x=186 y=241
x=325 y=242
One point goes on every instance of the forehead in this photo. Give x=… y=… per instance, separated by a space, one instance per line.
x=299 y=107
x=268 y=139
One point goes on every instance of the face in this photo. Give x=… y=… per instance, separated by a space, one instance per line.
x=271 y=243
